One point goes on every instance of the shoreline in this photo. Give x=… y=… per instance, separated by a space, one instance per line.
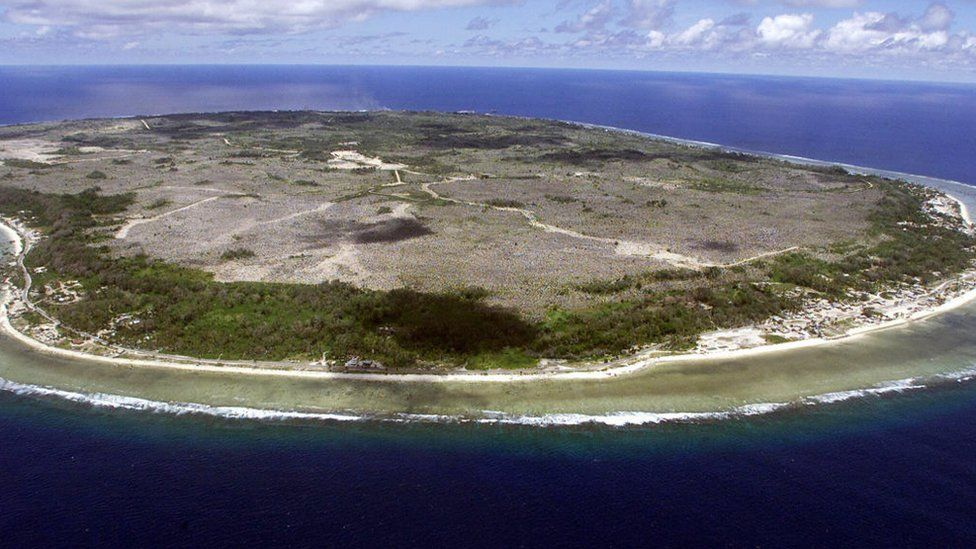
x=963 y=211
x=924 y=180
x=14 y=237
x=628 y=365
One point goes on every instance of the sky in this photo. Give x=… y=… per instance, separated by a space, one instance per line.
x=893 y=39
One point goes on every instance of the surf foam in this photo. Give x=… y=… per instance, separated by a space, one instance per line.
x=614 y=419
x=119 y=402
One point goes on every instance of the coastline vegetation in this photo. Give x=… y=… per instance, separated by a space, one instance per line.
x=185 y=311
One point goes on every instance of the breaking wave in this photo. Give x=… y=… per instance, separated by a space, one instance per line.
x=615 y=419
x=117 y=402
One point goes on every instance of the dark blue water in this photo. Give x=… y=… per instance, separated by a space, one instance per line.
x=892 y=472
x=897 y=471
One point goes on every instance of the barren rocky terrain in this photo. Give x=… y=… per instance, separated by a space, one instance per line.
x=426 y=241
x=528 y=210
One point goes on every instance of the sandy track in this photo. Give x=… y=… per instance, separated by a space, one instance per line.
x=620 y=247
x=319 y=208
x=760 y=256
x=124 y=230
x=194 y=188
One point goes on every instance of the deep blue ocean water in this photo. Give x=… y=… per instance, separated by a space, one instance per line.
x=893 y=471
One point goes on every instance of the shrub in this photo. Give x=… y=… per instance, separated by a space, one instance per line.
x=561 y=199
x=505 y=203
x=725 y=186
x=25 y=164
x=237 y=253
x=159 y=203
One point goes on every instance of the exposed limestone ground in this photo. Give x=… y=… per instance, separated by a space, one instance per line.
x=569 y=242
x=525 y=209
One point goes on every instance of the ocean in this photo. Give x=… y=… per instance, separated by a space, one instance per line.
x=891 y=469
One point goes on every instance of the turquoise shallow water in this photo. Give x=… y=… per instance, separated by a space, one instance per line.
x=935 y=351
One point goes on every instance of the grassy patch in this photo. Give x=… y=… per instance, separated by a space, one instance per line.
x=24 y=164
x=608 y=287
x=801 y=269
x=505 y=203
x=638 y=281
x=561 y=199
x=506 y=359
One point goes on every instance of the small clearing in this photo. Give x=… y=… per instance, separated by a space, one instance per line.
x=351 y=160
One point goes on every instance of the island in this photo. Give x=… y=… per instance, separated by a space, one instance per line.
x=403 y=243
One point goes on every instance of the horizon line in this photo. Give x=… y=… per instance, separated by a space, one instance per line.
x=502 y=67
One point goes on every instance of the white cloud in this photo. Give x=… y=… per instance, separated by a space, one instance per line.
x=807 y=3
x=823 y=3
x=863 y=39
x=105 y=18
x=481 y=23
x=695 y=33
x=648 y=14
x=937 y=17
x=728 y=35
x=788 y=30
x=862 y=31
x=655 y=39
x=593 y=19
x=604 y=29
x=879 y=31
